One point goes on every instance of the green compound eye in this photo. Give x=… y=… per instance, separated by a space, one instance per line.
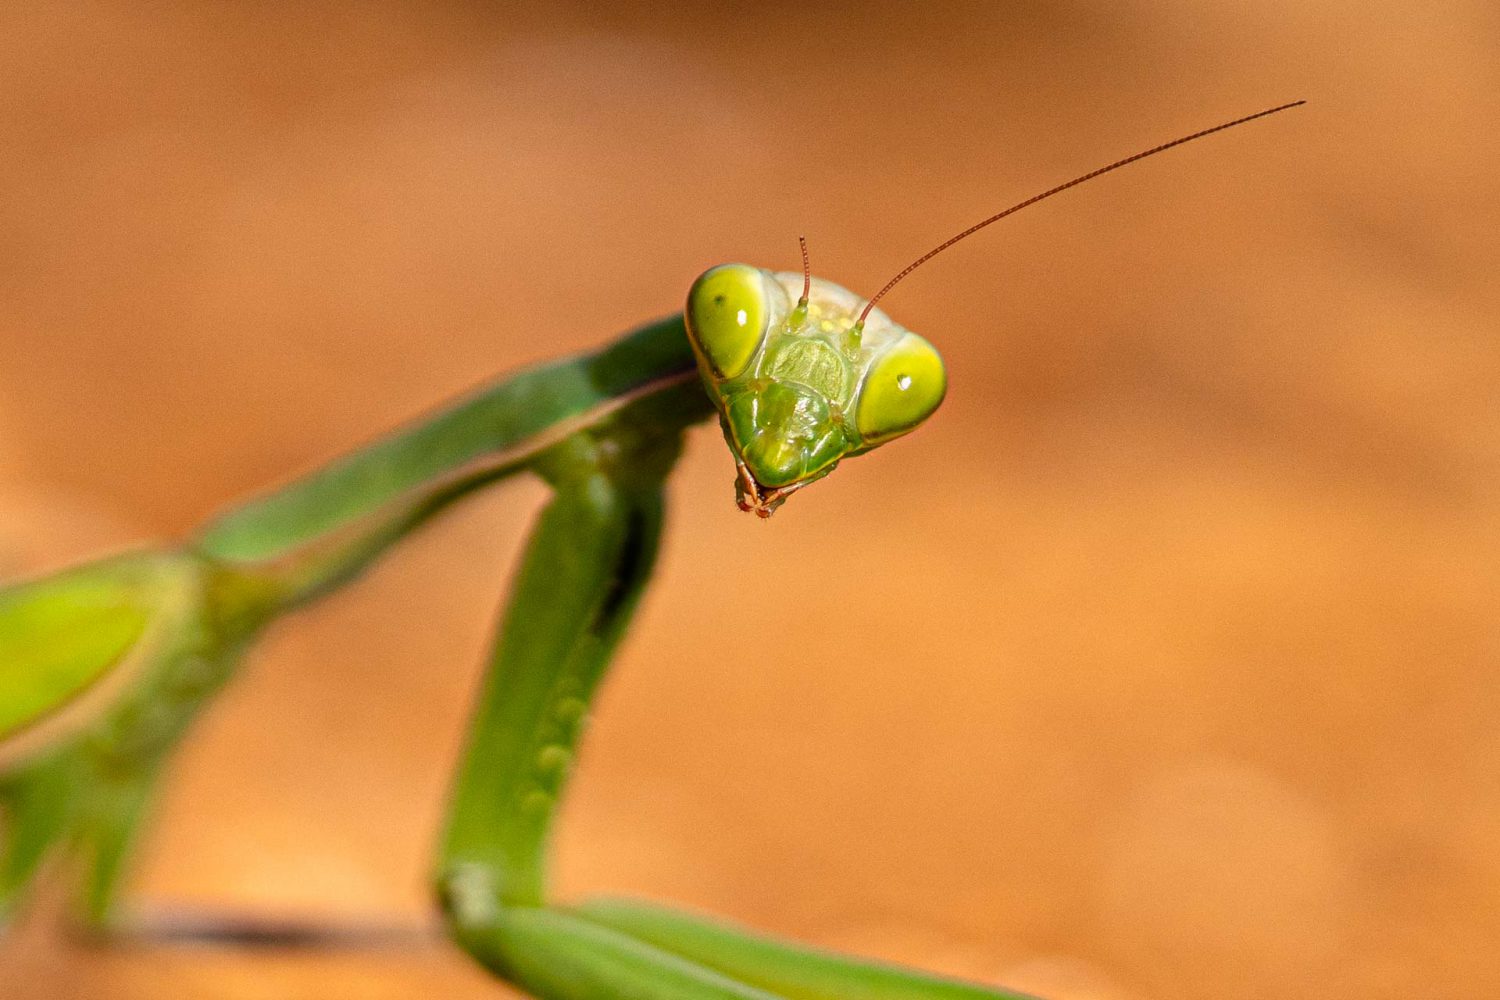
x=727 y=316
x=901 y=389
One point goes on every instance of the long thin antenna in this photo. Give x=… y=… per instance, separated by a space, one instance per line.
x=1057 y=190
x=806 y=273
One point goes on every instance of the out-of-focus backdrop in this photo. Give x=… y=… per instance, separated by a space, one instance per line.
x=1162 y=664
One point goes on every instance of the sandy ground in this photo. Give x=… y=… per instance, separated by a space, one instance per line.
x=1162 y=664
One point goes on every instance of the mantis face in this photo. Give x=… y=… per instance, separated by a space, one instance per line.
x=802 y=383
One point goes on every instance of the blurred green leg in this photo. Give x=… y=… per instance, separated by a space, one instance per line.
x=34 y=809
x=557 y=956
x=776 y=966
x=136 y=644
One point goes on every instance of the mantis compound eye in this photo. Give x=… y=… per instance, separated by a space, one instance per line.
x=729 y=309
x=901 y=388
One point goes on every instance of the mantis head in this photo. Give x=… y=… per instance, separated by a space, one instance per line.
x=802 y=383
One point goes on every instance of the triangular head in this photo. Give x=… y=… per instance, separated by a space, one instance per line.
x=802 y=383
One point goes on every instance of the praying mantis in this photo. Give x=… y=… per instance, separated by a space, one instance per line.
x=104 y=666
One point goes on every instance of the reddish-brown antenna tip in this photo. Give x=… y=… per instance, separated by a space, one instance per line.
x=908 y=269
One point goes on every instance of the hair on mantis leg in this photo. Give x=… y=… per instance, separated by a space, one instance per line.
x=103 y=666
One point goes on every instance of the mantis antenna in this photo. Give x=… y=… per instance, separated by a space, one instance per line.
x=806 y=274
x=908 y=269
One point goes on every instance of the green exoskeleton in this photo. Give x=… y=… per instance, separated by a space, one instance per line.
x=103 y=666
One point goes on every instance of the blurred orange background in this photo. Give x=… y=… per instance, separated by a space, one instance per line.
x=1162 y=664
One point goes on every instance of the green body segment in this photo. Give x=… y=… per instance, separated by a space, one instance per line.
x=801 y=385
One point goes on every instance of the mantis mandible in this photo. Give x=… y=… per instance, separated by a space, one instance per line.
x=103 y=666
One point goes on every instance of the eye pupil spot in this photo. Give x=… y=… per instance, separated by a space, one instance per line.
x=719 y=300
x=903 y=382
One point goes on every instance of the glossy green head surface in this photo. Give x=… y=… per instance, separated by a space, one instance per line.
x=801 y=386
